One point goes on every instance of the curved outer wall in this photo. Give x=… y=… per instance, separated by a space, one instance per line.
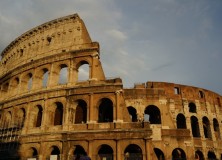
x=47 y=111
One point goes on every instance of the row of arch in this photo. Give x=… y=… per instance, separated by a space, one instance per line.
x=132 y=151
x=77 y=114
x=155 y=118
x=44 y=77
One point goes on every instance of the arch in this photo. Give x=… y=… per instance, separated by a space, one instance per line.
x=133 y=113
x=105 y=110
x=154 y=112
x=105 y=152
x=79 y=150
x=63 y=74
x=199 y=155
x=32 y=152
x=206 y=127
x=192 y=107
x=81 y=112
x=8 y=120
x=133 y=151
x=216 y=128
x=181 y=121
x=83 y=71
x=55 y=153
x=178 y=154
x=39 y=116
x=58 y=116
x=30 y=79
x=211 y=155
x=14 y=85
x=45 y=77
x=159 y=154
x=26 y=82
x=21 y=117
x=195 y=126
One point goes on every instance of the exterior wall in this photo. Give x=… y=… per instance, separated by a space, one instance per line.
x=173 y=99
x=45 y=109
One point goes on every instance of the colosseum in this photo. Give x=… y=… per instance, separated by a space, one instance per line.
x=47 y=112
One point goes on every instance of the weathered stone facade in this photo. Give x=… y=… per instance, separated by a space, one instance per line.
x=47 y=112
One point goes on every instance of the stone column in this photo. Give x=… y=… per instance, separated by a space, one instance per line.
x=118 y=109
x=119 y=154
x=90 y=113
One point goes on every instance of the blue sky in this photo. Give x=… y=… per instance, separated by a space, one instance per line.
x=178 y=41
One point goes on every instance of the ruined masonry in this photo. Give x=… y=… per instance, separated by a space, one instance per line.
x=48 y=112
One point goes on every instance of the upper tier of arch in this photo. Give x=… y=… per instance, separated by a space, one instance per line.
x=60 y=35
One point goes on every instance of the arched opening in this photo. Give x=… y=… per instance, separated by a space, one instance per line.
x=39 y=116
x=21 y=117
x=199 y=155
x=32 y=153
x=45 y=78
x=195 y=126
x=63 y=74
x=29 y=81
x=79 y=151
x=58 y=114
x=105 y=152
x=132 y=152
x=133 y=113
x=192 y=108
x=81 y=112
x=8 y=120
x=14 y=86
x=181 y=121
x=206 y=127
x=83 y=71
x=5 y=87
x=211 y=155
x=106 y=110
x=154 y=113
x=159 y=154
x=55 y=153
x=216 y=128
x=178 y=154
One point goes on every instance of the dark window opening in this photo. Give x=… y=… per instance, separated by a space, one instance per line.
x=154 y=113
x=201 y=94
x=176 y=90
x=81 y=112
x=195 y=127
x=199 y=155
x=132 y=152
x=211 y=156
x=79 y=150
x=216 y=128
x=58 y=114
x=206 y=127
x=133 y=114
x=178 y=154
x=105 y=152
x=159 y=154
x=192 y=108
x=106 y=110
x=39 y=117
x=181 y=121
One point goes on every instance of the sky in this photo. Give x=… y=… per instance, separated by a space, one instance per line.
x=177 y=41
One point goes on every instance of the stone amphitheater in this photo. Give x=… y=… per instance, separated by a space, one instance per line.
x=47 y=112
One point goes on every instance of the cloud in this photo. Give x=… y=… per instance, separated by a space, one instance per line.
x=143 y=40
